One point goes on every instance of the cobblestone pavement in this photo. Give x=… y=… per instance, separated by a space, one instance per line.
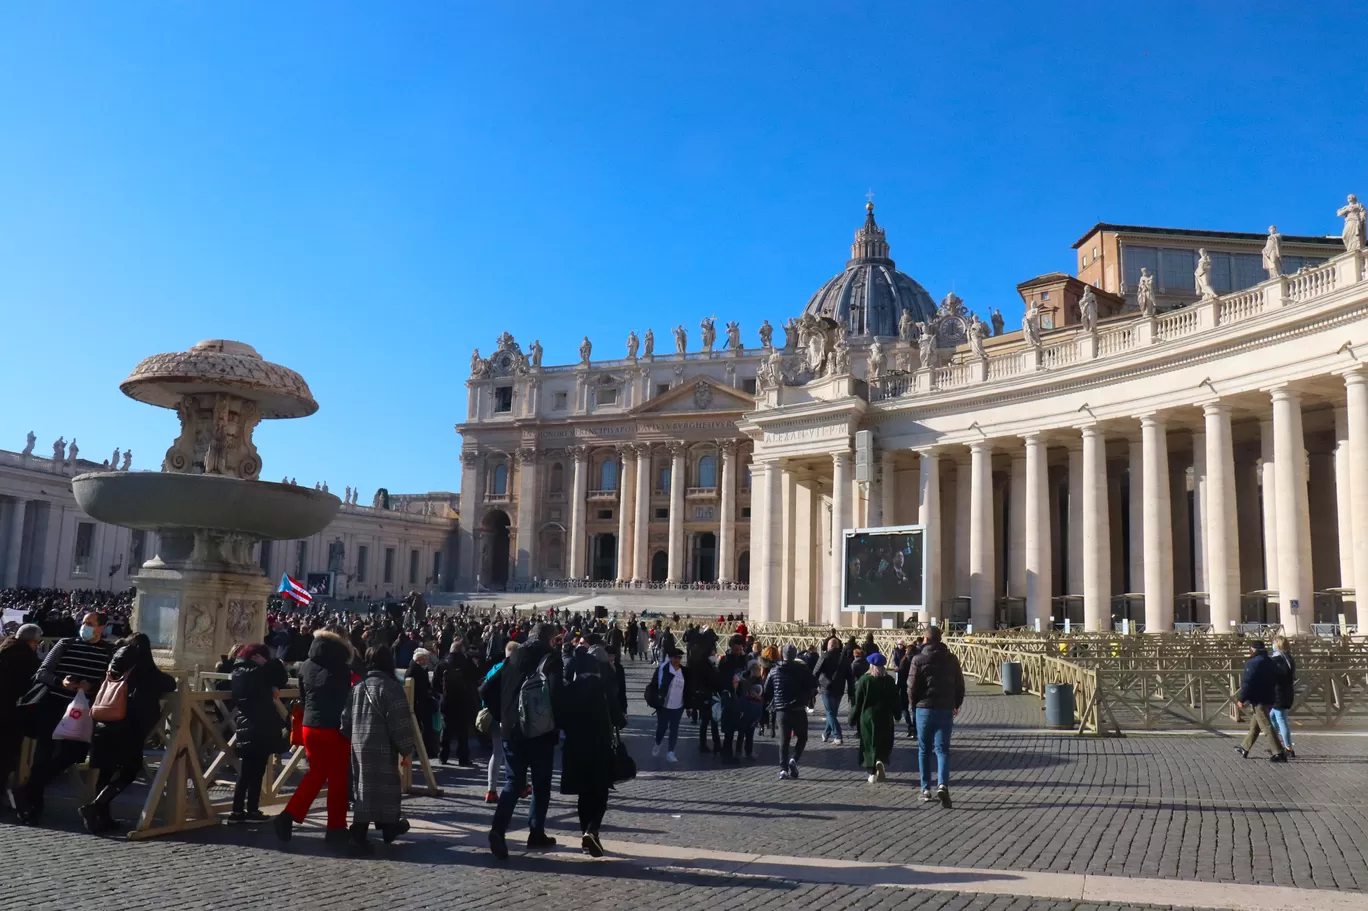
x=1164 y=807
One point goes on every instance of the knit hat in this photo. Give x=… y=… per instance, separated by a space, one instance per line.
x=876 y=660
x=790 y=652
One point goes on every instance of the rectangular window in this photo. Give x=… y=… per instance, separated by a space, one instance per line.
x=301 y=567
x=389 y=565
x=605 y=513
x=362 y=558
x=748 y=386
x=662 y=388
x=606 y=396
x=745 y=512
x=85 y=545
x=1137 y=258
x=503 y=399
x=1220 y=272
x=559 y=401
x=264 y=557
x=137 y=550
x=1175 y=271
x=663 y=479
x=662 y=513
x=413 y=567
x=1044 y=295
x=1248 y=270
x=436 y=567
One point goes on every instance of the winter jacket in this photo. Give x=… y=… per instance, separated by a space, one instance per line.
x=325 y=680
x=18 y=663
x=1284 y=692
x=500 y=692
x=120 y=743
x=1260 y=684
x=260 y=728
x=937 y=681
x=831 y=673
x=459 y=679
x=789 y=686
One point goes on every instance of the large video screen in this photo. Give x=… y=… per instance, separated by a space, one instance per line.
x=884 y=569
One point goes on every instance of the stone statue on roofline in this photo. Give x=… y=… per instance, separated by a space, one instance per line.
x=1144 y=294
x=976 y=332
x=681 y=339
x=648 y=340
x=1030 y=325
x=1087 y=310
x=906 y=326
x=59 y=450
x=28 y=444
x=926 y=345
x=632 y=343
x=535 y=353
x=998 y=322
x=877 y=359
x=586 y=348
x=791 y=334
x=1355 y=224
x=734 y=335
x=1272 y=252
x=1202 y=276
x=766 y=334
x=709 y=326
x=479 y=367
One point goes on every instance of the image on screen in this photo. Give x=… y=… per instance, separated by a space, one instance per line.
x=884 y=568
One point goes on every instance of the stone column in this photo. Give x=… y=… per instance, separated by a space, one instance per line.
x=759 y=577
x=840 y=520
x=726 y=537
x=626 y=508
x=1200 y=532
x=16 y=543
x=579 y=489
x=767 y=479
x=1356 y=411
x=526 y=513
x=472 y=502
x=641 y=555
x=1073 y=585
x=963 y=510
x=1016 y=531
x=1344 y=500
x=1158 y=526
x=982 y=581
x=1135 y=480
x=1096 y=534
x=1294 y=522
x=928 y=515
x=888 y=488
x=1036 y=506
x=1222 y=531
x=1268 y=487
x=676 y=570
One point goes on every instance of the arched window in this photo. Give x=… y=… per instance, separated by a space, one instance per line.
x=707 y=471
x=500 y=480
x=608 y=475
x=663 y=479
x=557 y=478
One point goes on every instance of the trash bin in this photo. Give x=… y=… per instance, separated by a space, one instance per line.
x=1011 y=677
x=1059 y=705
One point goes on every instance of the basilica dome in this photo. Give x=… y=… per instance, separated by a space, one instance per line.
x=871 y=295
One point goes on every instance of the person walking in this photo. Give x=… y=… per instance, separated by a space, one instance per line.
x=496 y=755
x=670 y=685
x=520 y=697
x=872 y=713
x=256 y=683
x=936 y=692
x=77 y=664
x=788 y=690
x=18 y=663
x=116 y=748
x=458 y=681
x=324 y=686
x=590 y=717
x=424 y=702
x=379 y=725
x=700 y=677
x=1259 y=693
x=904 y=668
x=1284 y=692
x=831 y=673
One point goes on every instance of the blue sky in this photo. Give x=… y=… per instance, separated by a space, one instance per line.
x=366 y=192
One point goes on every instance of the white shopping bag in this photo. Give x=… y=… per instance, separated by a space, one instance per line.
x=76 y=724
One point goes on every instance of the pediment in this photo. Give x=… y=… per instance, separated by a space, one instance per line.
x=699 y=395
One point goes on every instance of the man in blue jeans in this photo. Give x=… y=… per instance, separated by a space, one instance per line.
x=936 y=692
x=670 y=681
x=832 y=672
x=524 y=755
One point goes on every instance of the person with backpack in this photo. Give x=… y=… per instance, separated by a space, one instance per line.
x=116 y=748
x=666 y=694
x=789 y=689
x=520 y=697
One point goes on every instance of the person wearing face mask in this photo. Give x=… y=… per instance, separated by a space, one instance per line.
x=18 y=662
x=75 y=665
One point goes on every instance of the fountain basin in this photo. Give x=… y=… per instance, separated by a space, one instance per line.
x=153 y=501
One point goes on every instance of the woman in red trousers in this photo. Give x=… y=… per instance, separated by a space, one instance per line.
x=324 y=687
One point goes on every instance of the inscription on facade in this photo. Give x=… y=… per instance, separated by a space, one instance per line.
x=703 y=513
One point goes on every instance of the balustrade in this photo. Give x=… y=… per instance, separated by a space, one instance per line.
x=1309 y=283
x=1177 y=324
x=1241 y=306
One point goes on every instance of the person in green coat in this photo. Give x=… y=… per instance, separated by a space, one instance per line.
x=873 y=710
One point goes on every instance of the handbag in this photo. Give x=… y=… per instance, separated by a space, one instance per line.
x=111 y=702
x=76 y=724
x=624 y=766
x=484 y=722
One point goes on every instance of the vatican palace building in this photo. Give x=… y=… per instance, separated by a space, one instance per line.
x=1176 y=436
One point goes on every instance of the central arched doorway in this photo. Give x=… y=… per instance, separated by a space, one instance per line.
x=494 y=549
x=743 y=568
x=603 y=560
x=705 y=557
x=660 y=566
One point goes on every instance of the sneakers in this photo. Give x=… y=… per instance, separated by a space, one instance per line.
x=498 y=846
x=836 y=741
x=655 y=750
x=793 y=769
x=591 y=845
x=872 y=779
x=943 y=795
x=670 y=757
x=783 y=774
x=927 y=796
x=880 y=773
x=1244 y=754
x=254 y=816
x=540 y=841
x=284 y=826
x=491 y=797
x=1278 y=757
x=236 y=816
x=825 y=738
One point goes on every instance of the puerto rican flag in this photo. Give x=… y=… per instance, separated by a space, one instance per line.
x=294 y=591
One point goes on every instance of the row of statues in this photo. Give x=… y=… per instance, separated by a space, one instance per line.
x=62 y=453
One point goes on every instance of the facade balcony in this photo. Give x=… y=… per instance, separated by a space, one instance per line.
x=701 y=493
x=603 y=496
x=556 y=496
x=497 y=498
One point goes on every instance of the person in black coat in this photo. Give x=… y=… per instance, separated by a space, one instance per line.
x=18 y=664
x=256 y=683
x=325 y=682
x=424 y=701
x=832 y=675
x=590 y=719
x=116 y=748
x=1259 y=693
x=458 y=681
x=1284 y=692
